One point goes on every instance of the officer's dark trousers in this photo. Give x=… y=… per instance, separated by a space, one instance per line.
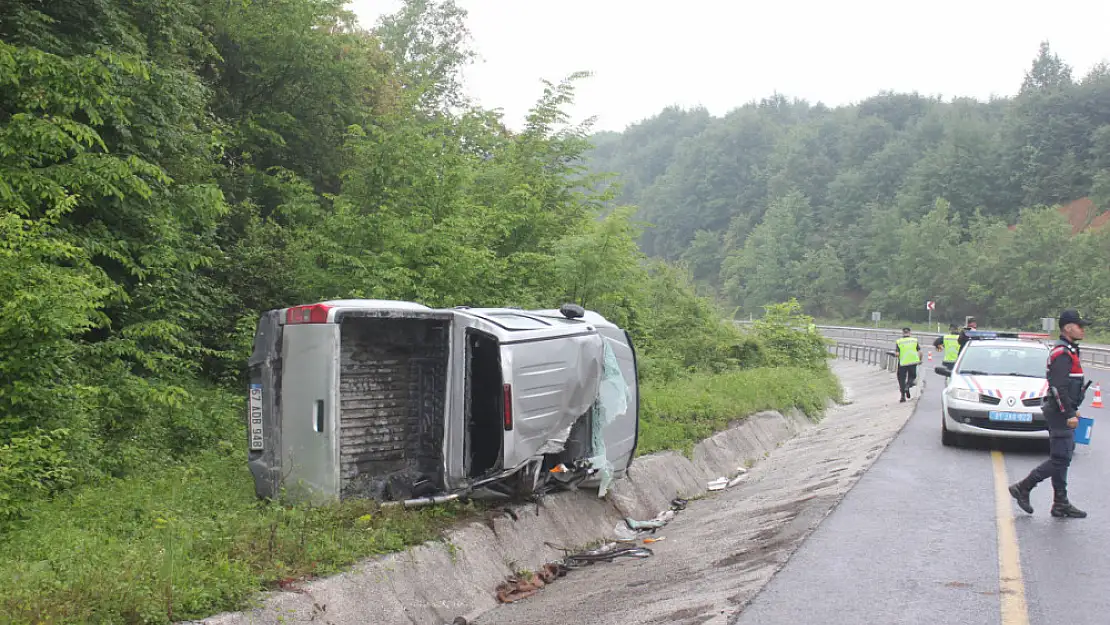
x=1061 y=445
x=907 y=375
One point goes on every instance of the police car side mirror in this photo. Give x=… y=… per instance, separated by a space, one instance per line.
x=945 y=371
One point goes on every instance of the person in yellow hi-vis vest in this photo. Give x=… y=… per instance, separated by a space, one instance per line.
x=909 y=356
x=950 y=343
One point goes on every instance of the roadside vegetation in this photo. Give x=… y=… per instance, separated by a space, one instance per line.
x=169 y=170
x=779 y=365
x=679 y=414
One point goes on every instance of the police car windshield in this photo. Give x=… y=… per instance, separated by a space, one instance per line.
x=982 y=358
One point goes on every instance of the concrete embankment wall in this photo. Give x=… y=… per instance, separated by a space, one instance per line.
x=438 y=581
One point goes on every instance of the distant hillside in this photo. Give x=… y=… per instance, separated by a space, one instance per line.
x=900 y=198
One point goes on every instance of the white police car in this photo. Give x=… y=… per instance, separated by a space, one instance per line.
x=996 y=388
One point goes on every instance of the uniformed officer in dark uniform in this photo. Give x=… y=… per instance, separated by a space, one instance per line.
x=1065 y=393
x=964 y=338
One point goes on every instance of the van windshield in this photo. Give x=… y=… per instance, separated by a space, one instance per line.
x=1022 y=361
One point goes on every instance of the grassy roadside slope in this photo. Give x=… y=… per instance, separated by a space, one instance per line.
x=679 y=414
x=190 y=540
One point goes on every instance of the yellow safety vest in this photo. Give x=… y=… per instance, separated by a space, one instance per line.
x=951 y=347
x=907 y=351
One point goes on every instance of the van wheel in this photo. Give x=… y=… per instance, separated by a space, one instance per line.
x=948 y=439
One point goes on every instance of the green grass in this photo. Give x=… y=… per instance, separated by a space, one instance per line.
x=679 y=414
x=186 y=542
x=191 y=540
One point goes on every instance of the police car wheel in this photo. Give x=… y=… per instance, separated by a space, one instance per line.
x=948 y=439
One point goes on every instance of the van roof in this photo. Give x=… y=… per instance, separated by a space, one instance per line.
x=377 y=304
x=515 y=319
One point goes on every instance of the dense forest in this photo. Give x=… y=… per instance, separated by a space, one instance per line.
x=994 y=209
x=169 y=169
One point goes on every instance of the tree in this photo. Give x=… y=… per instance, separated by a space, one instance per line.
x=765 y=266
x=1047 y=74
x=428 y=42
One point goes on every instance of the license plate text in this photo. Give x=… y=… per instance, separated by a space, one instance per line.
x=255 y=413
x=1012 y=417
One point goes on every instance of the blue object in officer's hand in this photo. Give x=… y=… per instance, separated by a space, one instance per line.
x=1083 y=430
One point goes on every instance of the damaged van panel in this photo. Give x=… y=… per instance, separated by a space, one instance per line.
x=395 y=401
x=554 y=383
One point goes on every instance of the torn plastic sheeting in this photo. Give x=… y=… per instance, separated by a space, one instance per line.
x=612 y=400
x=659 y=521
x=653 y=524
x=621 y=531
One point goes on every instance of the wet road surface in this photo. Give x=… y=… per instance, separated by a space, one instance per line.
x=917 y=539
x=824 y=532
x=723 y=549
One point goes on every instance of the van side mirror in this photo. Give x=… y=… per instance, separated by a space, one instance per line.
x=945 y=371
x=572 y=311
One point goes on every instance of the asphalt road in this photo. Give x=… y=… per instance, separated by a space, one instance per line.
x=725 y=547
x=917 y=540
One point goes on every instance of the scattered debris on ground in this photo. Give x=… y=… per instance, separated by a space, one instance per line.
x=528 y=583
x=723 y=482
x=525 y=584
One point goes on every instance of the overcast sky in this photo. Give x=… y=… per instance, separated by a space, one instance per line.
x=648 y=54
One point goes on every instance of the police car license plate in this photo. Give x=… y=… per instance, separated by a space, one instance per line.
x=1011 y=417
x=255 y=414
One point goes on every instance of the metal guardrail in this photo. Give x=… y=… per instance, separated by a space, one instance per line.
x=866 y=354
x=1097 y=356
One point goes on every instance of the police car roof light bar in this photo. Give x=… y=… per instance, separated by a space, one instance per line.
x=990 y=334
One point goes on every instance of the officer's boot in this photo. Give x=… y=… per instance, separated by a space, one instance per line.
x=1020 y=492
x=1062 y=508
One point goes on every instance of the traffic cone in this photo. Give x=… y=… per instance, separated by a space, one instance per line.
x=930 y=356
x=1097 y=403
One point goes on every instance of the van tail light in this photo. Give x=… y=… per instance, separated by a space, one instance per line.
x=508 y=398
x=314 y=313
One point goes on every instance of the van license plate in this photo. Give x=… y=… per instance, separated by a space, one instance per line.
x=1011 y=417
x=256 y=417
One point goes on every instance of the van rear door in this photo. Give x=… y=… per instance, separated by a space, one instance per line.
x=309 y=405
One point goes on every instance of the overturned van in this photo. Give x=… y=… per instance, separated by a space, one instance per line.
x=396 y=401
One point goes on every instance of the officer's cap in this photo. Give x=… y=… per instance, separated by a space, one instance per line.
x=1072 y=316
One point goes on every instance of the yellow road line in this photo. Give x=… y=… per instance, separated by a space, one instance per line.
x=1010 y=585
